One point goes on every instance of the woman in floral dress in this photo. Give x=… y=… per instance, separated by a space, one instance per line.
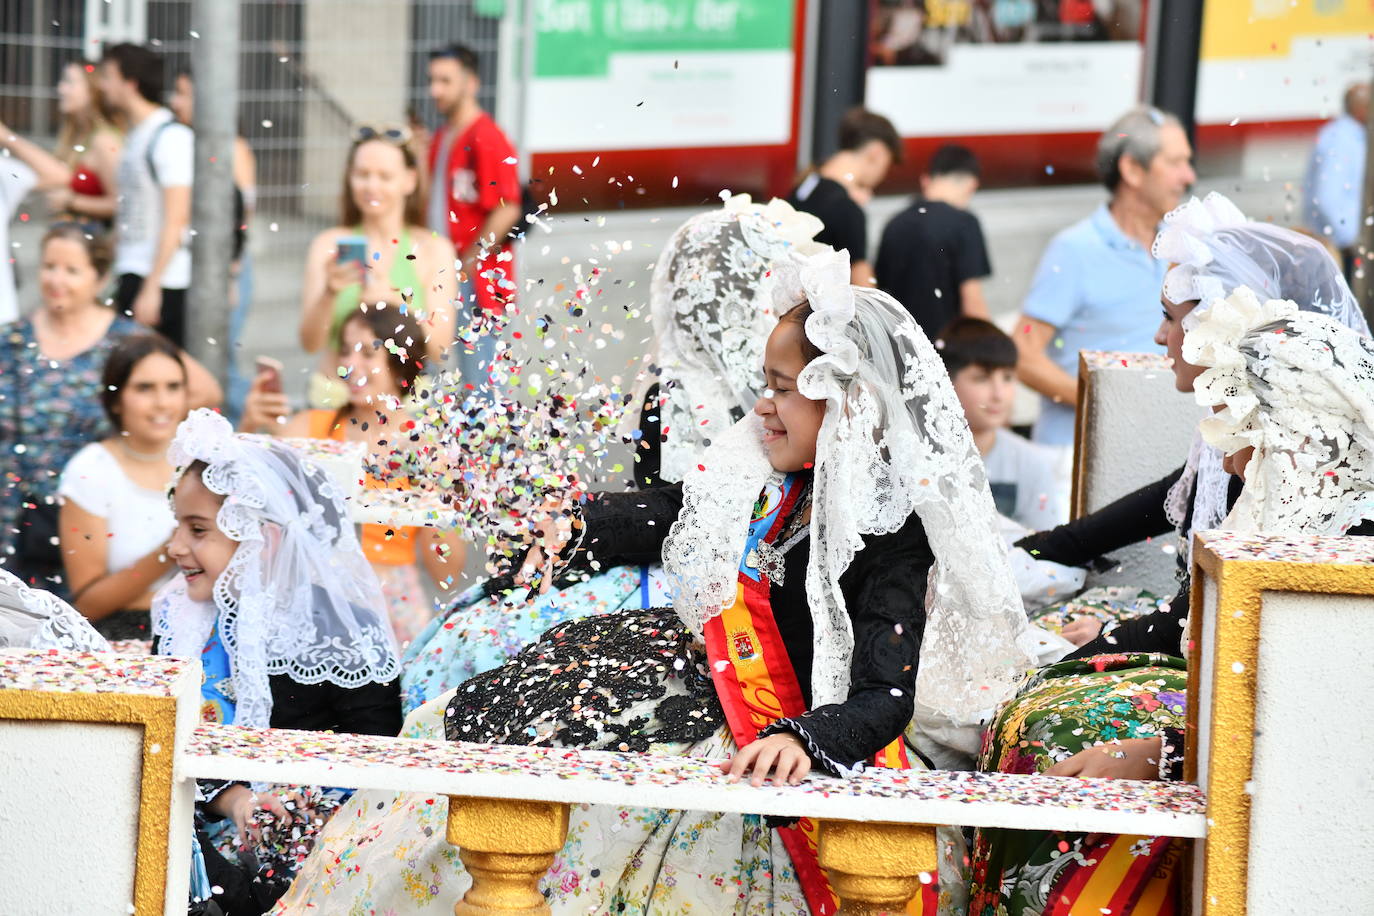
x=50 y=368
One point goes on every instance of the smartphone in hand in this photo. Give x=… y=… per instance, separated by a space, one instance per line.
x=352 y=248
x=270 y=371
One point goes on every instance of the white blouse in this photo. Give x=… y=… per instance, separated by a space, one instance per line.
x=137 y=520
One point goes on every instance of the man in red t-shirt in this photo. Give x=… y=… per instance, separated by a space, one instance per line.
x=474 y=196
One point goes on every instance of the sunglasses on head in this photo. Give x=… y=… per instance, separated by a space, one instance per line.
x=85 y=227
x=389 y=133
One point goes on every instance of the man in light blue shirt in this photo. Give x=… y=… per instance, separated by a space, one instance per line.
x=1334 y=186
x=1097 y=286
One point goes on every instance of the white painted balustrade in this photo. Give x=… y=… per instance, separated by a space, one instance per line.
x=486 y=785
x=98 y=754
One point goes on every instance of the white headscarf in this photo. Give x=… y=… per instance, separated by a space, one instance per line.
x=1299 y=387
x=711 y=304
x=298 y=597
x=893 y=442
x=32 y=618
x=1215 y=248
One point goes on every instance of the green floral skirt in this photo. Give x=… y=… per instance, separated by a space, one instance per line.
x=1062 y=710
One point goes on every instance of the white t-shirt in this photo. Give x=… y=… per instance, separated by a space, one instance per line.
x=16 y=180
x=137 y=520
x=138 y=215
x=1024 y=484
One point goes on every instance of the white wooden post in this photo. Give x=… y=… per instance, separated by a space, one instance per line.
x=1282 y=631
x=93 y=816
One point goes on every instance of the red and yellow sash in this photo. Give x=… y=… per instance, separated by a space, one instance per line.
x=757 y=685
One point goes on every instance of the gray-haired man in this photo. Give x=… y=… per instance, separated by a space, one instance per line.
x=1097 y=287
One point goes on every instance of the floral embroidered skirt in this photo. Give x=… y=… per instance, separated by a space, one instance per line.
x=1063 y=709
x=386 y=852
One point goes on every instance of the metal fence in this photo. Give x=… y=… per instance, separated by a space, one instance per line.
x=310 y=71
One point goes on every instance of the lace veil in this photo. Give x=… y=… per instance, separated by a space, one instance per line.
x=31 y=618
x=712 y=313
x=1299 y=387
x=298 y=597
x=1214 y=248
x=893 y=442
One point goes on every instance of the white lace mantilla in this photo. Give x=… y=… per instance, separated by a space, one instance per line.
x=298 y=597
x=1214 y=248
x=32 y=618
x=711 y=305
x=893 y=442
x=1207 y=481
x=1299 y=388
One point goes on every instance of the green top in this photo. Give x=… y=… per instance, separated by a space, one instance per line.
x=403 y=277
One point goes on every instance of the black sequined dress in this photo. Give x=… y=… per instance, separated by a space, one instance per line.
x=638 y=679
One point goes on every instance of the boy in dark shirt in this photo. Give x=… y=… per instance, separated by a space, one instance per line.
x=836 y=192
x=932 y=257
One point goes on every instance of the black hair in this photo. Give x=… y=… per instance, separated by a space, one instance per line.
x=465 y=56
x=968 y=342
x=859 y=127
x=797 y=315
x=142 y=65
x=119 y=365
x=196 y=469
x=953 y=159
x=392 y=323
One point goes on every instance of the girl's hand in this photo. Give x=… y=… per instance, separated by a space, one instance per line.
x=238 y=803
x=1131 y=758
x=1081 y=630
x=782 y=754
x=553 y=530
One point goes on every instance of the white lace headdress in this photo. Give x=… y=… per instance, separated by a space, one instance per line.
x=893 y=442
x=32 y=618
x=298 y=597
x=712 y=312
x=1213 y=249
x=1299 y=387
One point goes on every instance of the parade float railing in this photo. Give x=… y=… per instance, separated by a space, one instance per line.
x=508 y=806
x=98 y=754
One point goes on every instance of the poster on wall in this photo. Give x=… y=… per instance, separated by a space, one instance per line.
x=988 y=67
x=1279 y=60
x=645 y=74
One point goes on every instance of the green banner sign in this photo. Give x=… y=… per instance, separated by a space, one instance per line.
x=578 y=37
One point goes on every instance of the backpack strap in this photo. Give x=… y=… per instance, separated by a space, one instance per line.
x=152 y=142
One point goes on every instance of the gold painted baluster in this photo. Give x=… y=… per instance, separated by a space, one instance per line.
x=876 y=868
x=507 y=846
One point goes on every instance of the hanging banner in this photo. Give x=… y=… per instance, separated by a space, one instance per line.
x=1281 y=60
x=646 y=74
x=946 y=68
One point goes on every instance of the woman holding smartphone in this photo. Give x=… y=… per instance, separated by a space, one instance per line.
x=380 y=379
x=380 y=251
